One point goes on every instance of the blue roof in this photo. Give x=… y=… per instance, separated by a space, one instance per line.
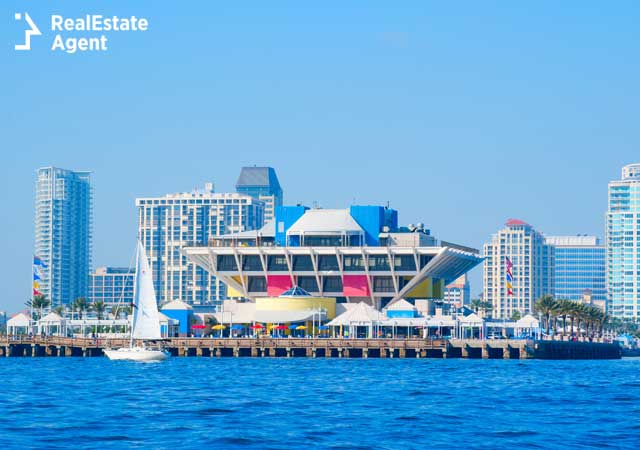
x=258 y=177
x=295 y=292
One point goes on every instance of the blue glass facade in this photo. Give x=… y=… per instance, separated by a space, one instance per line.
x=578 y=269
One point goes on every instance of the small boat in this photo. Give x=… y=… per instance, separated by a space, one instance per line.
x=145 y=325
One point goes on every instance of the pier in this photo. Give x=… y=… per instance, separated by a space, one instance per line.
x=321 y=348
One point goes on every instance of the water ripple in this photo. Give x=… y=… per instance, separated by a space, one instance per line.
x=270 y=403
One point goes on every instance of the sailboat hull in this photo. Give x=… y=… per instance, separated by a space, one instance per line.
x=136 y=354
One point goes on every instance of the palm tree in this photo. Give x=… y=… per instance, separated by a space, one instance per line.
x=516 y=315
x=548 y=307
x=60 y=310
x=81 y=305
x=565 y=309
x=39 y=303
x=99 y=307
x=476 y=304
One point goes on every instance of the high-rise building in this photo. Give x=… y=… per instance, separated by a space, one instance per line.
x=63 y=225
x=518 y=269
x=261 y=183
x=166 y=224
x=112 y=285
x=458 y=292
x=622 y=237
x=579 y=267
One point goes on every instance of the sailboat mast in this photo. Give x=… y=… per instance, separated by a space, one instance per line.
x=135 y=294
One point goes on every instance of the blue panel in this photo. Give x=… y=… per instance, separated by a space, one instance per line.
x=181 y=315
x=401 y=314
x=285 y=217
x=371 y=219
x=391 y=219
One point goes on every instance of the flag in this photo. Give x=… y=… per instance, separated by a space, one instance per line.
x=509 y=286
x=36 y=292
x=508 y=263
x=36 y=285
x=38 y=262
x=509 y=277
x=36 y=276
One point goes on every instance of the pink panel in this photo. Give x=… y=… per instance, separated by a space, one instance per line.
x=355 y=286
x=277 y=284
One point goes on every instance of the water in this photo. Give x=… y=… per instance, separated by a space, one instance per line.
x=318 y=403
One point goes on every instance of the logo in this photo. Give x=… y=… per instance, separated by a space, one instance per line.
x=32 y=31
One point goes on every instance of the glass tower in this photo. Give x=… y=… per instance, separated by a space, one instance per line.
x=166 y=224
x=622 y=240
x=261 y=183
x=63 y=225
x=579 y=267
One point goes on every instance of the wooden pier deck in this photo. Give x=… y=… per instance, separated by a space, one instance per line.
x=321 y=348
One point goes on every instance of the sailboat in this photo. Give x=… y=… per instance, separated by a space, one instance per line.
x=145 y=325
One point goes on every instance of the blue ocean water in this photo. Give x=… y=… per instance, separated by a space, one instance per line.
x=319 y=403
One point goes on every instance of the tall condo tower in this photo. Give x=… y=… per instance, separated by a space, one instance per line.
x=166 y=224
x=261 y=183
x=518 y=269
x=622 y=235
x=63 y=223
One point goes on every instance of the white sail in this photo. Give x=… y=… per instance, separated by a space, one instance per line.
x=146 y=323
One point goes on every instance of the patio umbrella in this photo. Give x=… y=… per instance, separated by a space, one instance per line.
x=218 y=327
x=198 y=327
x=323 y=327
x=256 y=327
x=294 y=327
x=301 y=327
x=281 y=327
x=237 y=327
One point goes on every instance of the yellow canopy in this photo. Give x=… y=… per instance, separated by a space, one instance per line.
x=218 y=327
x=301 y=327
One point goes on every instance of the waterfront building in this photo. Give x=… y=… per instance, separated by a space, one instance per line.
x=181 y=313
x=518 y=269
x=622 y=238
x=166 y=224
x=579 y=266
x=354 y=254
x=458 y=292
x=262 y=184
x=112 y=285
x=63 y=223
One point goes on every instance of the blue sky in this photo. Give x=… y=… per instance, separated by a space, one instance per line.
x=461 y=115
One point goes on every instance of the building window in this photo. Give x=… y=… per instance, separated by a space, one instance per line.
x=383 y=284
x=302 y=263
x=227 y=263
x=332 y=284
x=309 y=284
x=257 y=284
x=277 y=263
x=328 y=262
x=353 y=263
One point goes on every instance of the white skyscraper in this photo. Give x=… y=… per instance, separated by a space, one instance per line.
x=518 y=269
x=622 y=236
x=63 y=223
x=166 y=224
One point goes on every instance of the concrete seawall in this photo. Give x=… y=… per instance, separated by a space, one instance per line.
x=323 y=348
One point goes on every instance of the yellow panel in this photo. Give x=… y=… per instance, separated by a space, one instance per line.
x=424 y=289
x=438 y=289
x=233 y=293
